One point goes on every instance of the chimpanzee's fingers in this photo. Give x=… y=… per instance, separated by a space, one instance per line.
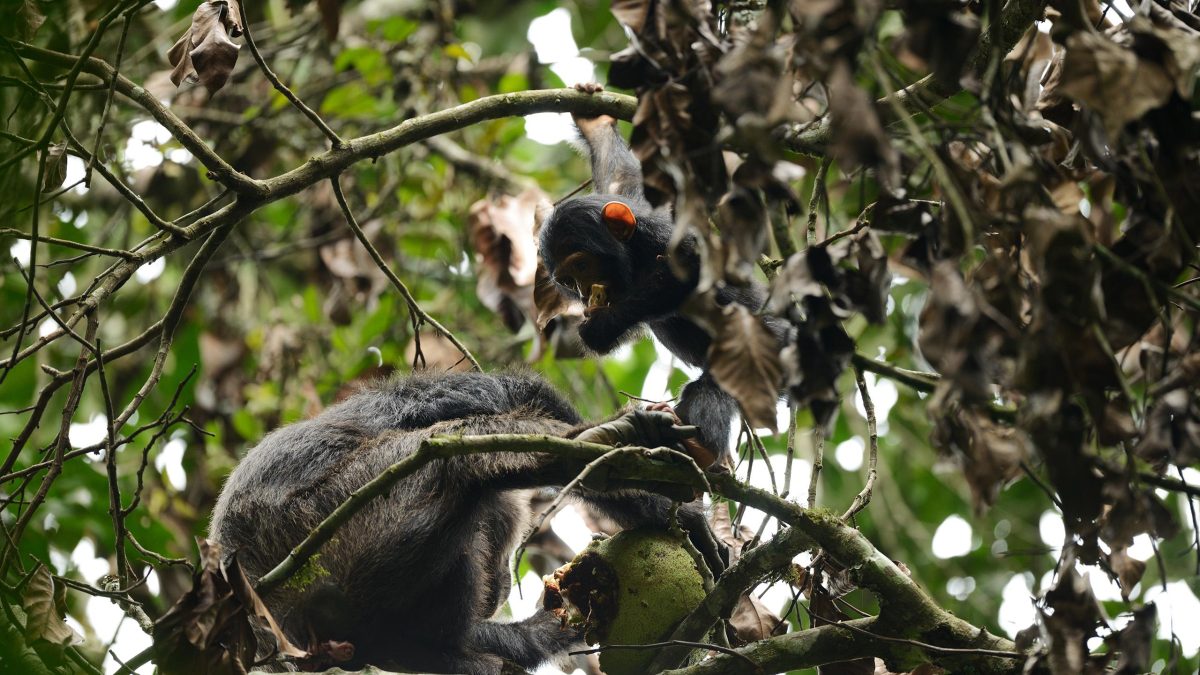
x=686 y=431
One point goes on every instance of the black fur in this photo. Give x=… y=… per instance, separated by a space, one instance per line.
x=413 y=579
x=642 y=287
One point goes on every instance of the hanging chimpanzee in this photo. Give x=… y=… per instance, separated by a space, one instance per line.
x=609 y=250
x=412 y=579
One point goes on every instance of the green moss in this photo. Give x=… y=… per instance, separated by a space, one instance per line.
x=306 y=575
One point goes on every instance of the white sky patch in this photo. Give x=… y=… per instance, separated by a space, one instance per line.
x=574 y=70
x=952 y=538
x=150 y=271
x=75 y=171
x=551 y=38
x=47 y=328
x=67 y=285
x=883 y=396
x=569 y=527
x=108 y=620
x=84 y=559
x=1016 y=605
x=166 y=5
x=549 y=128
x=776 y=596
x=849 y=454
x=1103 y=587
x=83 y=434
x=1178 y=613
x=179 y=155
x=1142 y=548
x=170 y=460
x=960 y=587
x=153 y=585
x=141 y=150
x=759 y=477
x=1121 y=7
x=1052 y=530
x=524 y=603
x=20 y=250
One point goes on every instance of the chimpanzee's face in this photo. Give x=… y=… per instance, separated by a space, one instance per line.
x=584 y=254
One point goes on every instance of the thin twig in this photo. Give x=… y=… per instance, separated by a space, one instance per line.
x=669 y=643
x=864 y=497
x=558 y=501
x=282 y=88
x=413 y=307
x=110 y=465
x=814 y=479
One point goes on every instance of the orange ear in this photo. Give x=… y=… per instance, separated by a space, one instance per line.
x=620 y=220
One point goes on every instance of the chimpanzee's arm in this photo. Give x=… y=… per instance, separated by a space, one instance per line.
x=705 y=404
x=615 y=171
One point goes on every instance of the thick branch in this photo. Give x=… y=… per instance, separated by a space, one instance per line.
x=908 y=616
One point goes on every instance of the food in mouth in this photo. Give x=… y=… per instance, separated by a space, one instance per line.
x=597 y=298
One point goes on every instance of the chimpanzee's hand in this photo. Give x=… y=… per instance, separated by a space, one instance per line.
x=587 y=125
x=704 y=457
x=647 y=428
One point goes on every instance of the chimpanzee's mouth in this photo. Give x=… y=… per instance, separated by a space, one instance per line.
x=597 y=299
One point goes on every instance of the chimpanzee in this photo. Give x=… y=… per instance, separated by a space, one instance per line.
x=609 y=250
x=412 y=579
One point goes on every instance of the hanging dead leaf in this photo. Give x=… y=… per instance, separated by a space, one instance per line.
x=1122 y=84
x=257 y=610
x=45 y=605
x=743 y=221
x=208 y=630
x=547 y=299
x=1134 y=642
x=724 y=530
x=56 y=167
x=744 y=360
x=1129 y=570
x=752 y=621
x=205 y=53
x=506 y=262
x=632 y=13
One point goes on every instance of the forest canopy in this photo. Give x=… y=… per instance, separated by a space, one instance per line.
x=978 y=221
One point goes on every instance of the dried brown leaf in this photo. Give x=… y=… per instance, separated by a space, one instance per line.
x=506 y=261
x=56 y=167
x=743 y=221
x=632 y=13
x=208 y=629
x=1129 y=570
x=752 y=621
x=257 y=610
x=331 y=16
x=1112 y=80
x=205 y=53
x=44 y=603
x=744 y=360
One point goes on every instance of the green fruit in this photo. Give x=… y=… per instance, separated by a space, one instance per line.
x=630 y=589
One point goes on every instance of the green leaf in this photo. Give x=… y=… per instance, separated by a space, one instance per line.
x=248 y=426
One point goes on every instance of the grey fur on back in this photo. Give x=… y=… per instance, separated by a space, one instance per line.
x=410 y=576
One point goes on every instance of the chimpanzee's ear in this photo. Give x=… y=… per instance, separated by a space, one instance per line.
x=620 y=220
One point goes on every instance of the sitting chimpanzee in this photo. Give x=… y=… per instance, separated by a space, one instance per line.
x=609 y=250
x=412 y=579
